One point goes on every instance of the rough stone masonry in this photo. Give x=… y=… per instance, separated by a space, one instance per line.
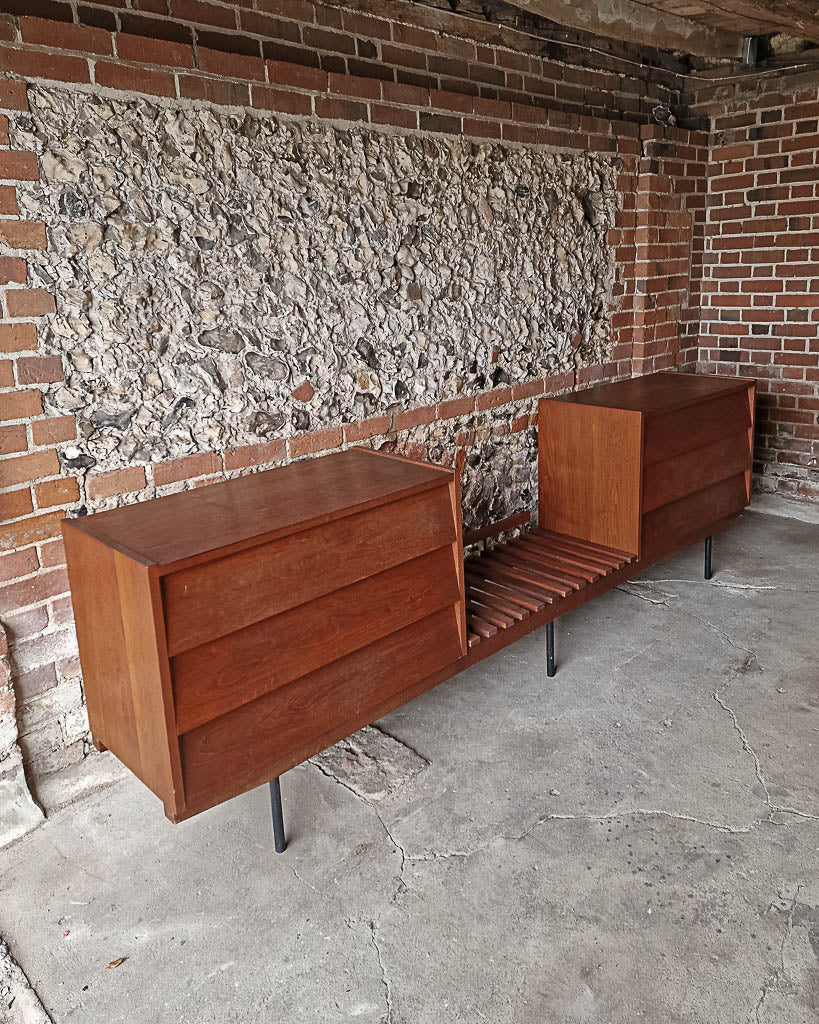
x=207 y=265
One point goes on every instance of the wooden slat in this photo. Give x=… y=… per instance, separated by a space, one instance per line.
x=472 y=639
x=601 y=564
x=531 y=573
x=481 y=626
x=531 y=581
x=507 y=592
x=499 y=578
x=493 y=529
x=590 y=563
x=507 y=607
x=212 y=600
x=491 y=615
x=573 y=571
x=250 y=662
x=530 y=558
x=597 y=550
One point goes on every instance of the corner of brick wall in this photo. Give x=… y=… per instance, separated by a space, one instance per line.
x=760 y=303
x=35 y=489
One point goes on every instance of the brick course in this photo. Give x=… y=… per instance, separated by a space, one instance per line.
x=716 y=243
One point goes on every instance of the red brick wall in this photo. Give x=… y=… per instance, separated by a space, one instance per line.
x=760 y=304
x=325 y=62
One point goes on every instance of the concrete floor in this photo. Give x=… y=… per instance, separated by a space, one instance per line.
x=636 y=839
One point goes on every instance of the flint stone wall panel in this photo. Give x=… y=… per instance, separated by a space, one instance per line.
x=205 y=265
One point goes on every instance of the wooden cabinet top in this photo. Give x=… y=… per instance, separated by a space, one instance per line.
x=658 y=392
x=259 y=507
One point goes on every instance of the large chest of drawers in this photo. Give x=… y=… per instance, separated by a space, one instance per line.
x=647 y=465
x=229 y=633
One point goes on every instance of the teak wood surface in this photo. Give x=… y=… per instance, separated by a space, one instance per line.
x=226 y=516
x=227 y=634
x=270 y=585
x=621 y=463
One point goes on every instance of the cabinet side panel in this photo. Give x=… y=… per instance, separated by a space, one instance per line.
x=95 y=597
x=149 y=673
x=589 y=473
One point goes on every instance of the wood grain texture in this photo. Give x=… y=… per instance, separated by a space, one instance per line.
x=690 y=516
x=655 y=393
x=98 y=621
x=125 y=680
x=263 y=739
x=693 y=470
x=143 y=633
x=589 y=472
x=260 y=658
x=385 y=528
x=262 y=506
x=671 y=433
x=212 y=600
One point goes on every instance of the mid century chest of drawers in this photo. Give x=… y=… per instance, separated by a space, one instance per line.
x=228 y=633
x=646 y=465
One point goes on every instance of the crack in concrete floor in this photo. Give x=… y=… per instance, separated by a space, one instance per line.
x=369 y=928
x=771 y=982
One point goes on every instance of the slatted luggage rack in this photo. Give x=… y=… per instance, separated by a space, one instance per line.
x=509 y=582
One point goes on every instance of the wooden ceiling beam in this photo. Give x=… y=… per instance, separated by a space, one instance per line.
x=637 y=23
x=752 y=18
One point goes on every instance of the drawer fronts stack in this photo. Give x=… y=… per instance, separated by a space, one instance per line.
x=312 y=712
x=219 y=597
x=696 y=467
x=673 y=464
x=268 y=650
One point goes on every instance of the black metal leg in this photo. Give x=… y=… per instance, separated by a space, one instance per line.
x=279 y=840
x=708 y=572
x=550 y=649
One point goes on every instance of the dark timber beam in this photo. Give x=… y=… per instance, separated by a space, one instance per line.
x=637 y=23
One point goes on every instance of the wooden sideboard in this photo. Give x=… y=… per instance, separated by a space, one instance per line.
x=228 y=633
x=647 y=465
x=231 y=632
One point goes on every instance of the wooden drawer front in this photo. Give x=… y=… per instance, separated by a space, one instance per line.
x=671 y=433
x=692 y=514
x=691 y=471
x=219 y=676
x=260 y=740
x=217 y=598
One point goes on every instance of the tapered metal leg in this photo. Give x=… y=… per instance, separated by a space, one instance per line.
x=708 y=572
x=550 y=649
x=279 y=840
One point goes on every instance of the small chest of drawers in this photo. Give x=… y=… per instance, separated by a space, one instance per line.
x=229 y=633
x=647 y=465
